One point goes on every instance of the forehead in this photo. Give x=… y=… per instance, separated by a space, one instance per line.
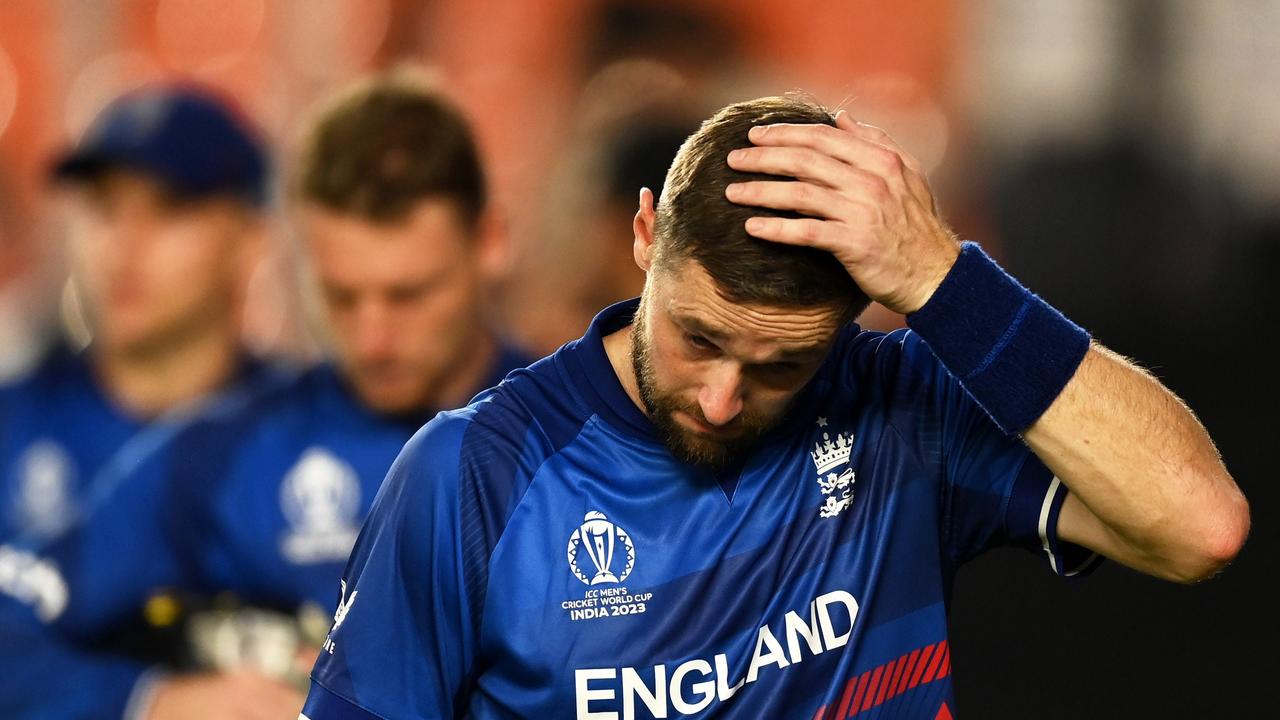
x=121 y=188
x=689 y=297
x=349 y=248
x=119 y=185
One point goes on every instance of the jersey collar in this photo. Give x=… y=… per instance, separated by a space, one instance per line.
x=592 y=373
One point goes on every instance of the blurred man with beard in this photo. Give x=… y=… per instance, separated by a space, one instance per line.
x=400 y=243
x=727 y=500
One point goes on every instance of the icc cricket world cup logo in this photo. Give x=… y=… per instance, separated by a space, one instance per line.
x=600 y=540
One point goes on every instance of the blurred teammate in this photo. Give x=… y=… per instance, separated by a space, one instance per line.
x=401 y=243
x=165 y=195
x=166 y=190
x=725 y=501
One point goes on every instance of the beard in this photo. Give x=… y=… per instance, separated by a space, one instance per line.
x=686 y=445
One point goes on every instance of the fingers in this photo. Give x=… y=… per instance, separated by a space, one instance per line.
x=864 y=147
x=798 y=196
x=808 y=232
x=845 y=121
x=847 y=147
x=796 y=162
x=873 y=134
x=917 y=181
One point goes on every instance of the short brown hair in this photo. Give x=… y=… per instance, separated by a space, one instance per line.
x=695 y=220
x=385 y=144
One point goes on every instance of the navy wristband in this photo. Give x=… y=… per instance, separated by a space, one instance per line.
x=1011 y=351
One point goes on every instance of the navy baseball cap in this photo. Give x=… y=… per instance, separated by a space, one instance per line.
x=188 y=138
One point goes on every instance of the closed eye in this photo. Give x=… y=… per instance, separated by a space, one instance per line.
x=779 y=370
x=699 y=342
x=339 y=299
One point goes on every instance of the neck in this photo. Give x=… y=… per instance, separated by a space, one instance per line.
x=149 y=383
x=617 y=346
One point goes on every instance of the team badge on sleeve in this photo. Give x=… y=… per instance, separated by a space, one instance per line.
x=340 y=615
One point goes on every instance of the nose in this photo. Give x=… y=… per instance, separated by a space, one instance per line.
x=721 y=397
x=118 y=240
x=374 y=333
x=112 y=257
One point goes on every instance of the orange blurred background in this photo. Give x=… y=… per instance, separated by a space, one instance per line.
x=1122 y=158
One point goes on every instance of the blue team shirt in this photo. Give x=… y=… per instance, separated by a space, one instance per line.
x=57 y=429
x=62 y=439
x=263 y=503
x=539 y=554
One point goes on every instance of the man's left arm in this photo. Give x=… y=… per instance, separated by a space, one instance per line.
x=1148 y=488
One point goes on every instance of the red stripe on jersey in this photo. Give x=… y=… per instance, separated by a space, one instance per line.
x=848 y=697
x=888 y=682
x=937 y=661
x=910 y=665
x=871 y=694
x=881 y=684
x=863 y=681
x=924 y=663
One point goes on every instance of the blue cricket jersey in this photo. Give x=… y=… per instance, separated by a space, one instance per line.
x=57 y=429
x=540 y=554
x=263 y=503
x=61 y=438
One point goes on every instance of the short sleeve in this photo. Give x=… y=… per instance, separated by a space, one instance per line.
x=996 y=491
x=993 y=491
x=402 y=641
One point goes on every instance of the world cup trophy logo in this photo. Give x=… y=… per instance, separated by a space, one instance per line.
x=598 y=539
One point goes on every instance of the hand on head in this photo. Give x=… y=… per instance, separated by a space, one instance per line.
x=868 y=203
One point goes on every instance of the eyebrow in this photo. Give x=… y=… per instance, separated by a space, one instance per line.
x=697 y=326
x=798 y=354
x=693 y=324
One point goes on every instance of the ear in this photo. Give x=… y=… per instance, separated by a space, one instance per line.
x=643 y=247
x=493 y=245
